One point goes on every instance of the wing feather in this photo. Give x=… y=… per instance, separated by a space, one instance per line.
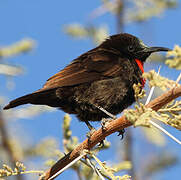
x=89 y=67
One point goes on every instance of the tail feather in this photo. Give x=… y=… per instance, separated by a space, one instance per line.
x=37 y=97
x=19 y=101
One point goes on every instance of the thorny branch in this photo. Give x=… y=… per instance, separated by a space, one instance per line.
x=112 y=127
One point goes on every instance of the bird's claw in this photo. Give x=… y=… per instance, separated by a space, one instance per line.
x=121 y=133
x=101 y=144
x=90 y=133
x=105 y=121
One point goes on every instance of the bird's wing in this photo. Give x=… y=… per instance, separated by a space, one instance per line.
x=91 y=66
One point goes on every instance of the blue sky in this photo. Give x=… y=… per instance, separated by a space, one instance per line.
x=43 y=21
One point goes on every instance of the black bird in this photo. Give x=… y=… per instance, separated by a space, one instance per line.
x=100 y=79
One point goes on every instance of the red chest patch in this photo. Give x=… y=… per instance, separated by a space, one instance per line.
x=140 y=65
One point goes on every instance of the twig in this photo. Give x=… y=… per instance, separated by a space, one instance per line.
x=6 y=145
x=155 y=124
x=120 y=15
x=99 y=170
x=112 y=127
x=95 y=169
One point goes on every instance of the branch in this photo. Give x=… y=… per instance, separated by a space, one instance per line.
x=112 y=127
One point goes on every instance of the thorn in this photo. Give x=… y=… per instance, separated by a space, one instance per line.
x=152 y=89
x=106 y=112
x=166 y=132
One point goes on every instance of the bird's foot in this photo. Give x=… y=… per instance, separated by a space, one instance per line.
x=105 y=122
x=91 y=128
x=121 y=133
x=90 y=133
x=101 y=144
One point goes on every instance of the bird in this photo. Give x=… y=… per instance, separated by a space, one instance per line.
x=98 y=83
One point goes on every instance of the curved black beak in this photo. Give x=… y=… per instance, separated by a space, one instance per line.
x=146 y=51
x=156 y=49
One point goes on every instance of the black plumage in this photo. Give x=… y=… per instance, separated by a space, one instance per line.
x=103 y=76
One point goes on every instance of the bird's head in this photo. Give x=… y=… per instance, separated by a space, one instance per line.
x=131 y=46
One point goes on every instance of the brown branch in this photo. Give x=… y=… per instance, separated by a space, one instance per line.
x=112 y=127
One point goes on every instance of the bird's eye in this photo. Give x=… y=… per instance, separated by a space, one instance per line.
x=130 y=48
